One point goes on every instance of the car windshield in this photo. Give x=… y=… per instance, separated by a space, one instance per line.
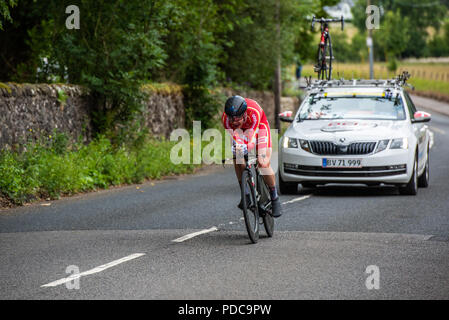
x=366 y=107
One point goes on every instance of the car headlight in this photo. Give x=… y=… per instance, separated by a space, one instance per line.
x=401 y=143
x=290 y=142
x=382 y=145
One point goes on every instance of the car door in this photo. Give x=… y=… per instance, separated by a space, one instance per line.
x=420 y=131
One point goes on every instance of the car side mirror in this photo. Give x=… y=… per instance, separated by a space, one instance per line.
x=286 y=116
x=421 y=116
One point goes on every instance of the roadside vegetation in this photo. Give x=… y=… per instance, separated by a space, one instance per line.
x=121 y=47
x=51 y=168
x=197 y=45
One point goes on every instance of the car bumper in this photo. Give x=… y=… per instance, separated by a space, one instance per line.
x=388 y=166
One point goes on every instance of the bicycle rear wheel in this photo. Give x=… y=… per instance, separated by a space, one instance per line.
x=250 y=210
x=265 y=203
x=329 y=57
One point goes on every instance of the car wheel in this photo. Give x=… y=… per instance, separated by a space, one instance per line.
x=423 y=180
x=287 y=187
x=411 y=188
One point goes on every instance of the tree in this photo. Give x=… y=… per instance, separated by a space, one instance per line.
x=117 y=48
x=194 y=47
x=439 y=45
x=393 y=36
x=251 y=57
x=15 y=50
x=122 y=44
x=4 y=11
x=420 y=13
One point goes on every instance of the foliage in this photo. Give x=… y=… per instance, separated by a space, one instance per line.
x=52 y=167
x=342 y=49
x=408 y=20
x=198 y=52
x=116 y=50
x=251 y=54
x=198 y=44
x=392 y=64
x=4 y=11
x=439 y=45
x=394 y=35
x=119 y=47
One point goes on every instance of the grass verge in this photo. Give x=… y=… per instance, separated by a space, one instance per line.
x=52 y=168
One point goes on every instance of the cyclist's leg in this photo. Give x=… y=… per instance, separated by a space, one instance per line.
x=239 y=168
x=264 y=151
x=269 y=178
x=263 y=159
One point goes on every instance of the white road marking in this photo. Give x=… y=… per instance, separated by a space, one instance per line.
x=94 y=270
x=194 y=234
x=298 y=199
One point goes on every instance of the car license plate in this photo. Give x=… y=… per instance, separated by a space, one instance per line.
x=342 y=163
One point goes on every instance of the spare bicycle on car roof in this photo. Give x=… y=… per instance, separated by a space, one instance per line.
x=323 y=64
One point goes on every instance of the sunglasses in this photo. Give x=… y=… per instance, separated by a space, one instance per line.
x=234 y=119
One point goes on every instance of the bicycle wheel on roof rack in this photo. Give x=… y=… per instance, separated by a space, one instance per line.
x=324 y=58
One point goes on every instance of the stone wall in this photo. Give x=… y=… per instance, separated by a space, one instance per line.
x=30 y=111
x=165 y=111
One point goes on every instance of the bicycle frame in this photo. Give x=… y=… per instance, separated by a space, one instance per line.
x=324 y=34
x=260 y=200
x=322 y=68
x=256 y=179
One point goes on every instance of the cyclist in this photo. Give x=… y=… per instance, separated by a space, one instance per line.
x=245 y=120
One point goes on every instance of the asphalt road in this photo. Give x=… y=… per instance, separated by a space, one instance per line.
x=323 y=248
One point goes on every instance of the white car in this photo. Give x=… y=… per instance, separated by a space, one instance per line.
x=347 y=132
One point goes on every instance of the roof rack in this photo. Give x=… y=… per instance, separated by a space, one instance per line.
x=396 y=83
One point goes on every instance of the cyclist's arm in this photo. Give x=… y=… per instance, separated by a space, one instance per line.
x=255 y=117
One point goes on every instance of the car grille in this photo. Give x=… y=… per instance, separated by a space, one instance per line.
x=330 y=148
x=345 y=172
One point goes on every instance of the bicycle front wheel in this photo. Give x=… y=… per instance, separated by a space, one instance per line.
x=250 y=210
x=329 y=57
x=324 y=57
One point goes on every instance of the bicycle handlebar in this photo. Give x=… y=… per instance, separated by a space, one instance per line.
x=248 y=160
x=323 y=20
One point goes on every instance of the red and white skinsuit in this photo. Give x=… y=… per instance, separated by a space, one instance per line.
x=254 y=129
